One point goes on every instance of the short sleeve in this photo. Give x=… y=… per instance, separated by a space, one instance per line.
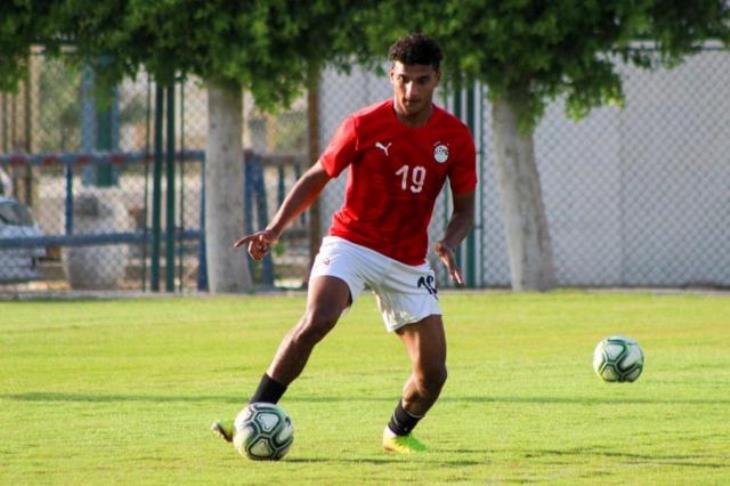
x=463 y=173
x=341 y=150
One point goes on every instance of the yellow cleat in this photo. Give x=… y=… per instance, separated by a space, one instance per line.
x=401 y=444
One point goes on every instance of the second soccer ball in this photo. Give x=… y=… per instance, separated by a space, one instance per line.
x=618 y=358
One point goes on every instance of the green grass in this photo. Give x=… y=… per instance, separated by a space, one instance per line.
x=93 y=392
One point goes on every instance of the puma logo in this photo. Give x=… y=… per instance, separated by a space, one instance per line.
x=384 y=148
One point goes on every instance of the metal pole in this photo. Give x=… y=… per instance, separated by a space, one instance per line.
x=104 y=143
x=145 y=206
x=157 y=189
x=471 y=260
x=480 y=193
x=27 y=108
x=280 y=186
x=88 y=122
x=69 y=201
x=170 y=200
x=458 y=112
x=182 y=188
x=202 y=257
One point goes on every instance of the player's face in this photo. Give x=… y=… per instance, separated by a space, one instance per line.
x=413 y=86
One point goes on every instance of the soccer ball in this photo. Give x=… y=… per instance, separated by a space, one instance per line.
x=263 y=432
x=618 y=358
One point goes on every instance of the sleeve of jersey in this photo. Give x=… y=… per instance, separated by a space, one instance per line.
x=463 y=174
x=341 y=150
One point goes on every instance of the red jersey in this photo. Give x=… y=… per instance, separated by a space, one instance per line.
x=396 y=174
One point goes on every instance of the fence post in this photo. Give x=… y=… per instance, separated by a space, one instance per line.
x=157 y=189
x=480 y=192
x=69 y=199
x=107 y=139
x=28 y=134
x=458 y=112
x=170 y=201
x=202 y=257
x=254 y=194
x=471 y=259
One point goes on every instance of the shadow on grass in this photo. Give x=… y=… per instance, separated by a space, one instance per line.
x=373 y=461
x=391 y=459
x=41 y=396
x=683 y=460
x=112 y=398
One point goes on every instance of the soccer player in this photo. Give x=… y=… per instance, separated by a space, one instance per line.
x=400 y=153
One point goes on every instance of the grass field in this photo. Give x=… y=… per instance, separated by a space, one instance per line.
x=123 y=391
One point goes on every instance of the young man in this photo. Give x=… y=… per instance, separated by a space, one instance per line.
x=400 y=153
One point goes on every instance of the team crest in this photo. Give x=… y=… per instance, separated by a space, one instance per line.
x=441 y=153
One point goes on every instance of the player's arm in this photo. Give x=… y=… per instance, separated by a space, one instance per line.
x=461 y=221
x=301 y=196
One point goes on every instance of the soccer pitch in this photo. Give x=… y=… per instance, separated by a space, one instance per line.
x=124 y=391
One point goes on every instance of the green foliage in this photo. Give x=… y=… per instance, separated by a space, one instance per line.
x=123 y=392
x=19 y=29
x=265 y=46
x=528 y=50
x=531 y=51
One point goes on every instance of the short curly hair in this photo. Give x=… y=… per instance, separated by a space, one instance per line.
x=416 y=48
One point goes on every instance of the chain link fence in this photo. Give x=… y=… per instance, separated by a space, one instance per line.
x=634 y=197
x=638 y=196
x=80 y=167
x=641 y=196
x=77 y=202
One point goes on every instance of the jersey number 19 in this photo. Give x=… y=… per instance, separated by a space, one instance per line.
x=416 y=180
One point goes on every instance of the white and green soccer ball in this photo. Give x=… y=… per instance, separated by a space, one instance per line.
x=263 y=432
x=618 y=359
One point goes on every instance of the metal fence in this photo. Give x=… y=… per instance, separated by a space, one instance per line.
x=638 y=196
x=77 y=200
x=634 y=197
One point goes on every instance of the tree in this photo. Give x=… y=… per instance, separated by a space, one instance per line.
x=529 y=52
x=18 y=30
x=267 y=47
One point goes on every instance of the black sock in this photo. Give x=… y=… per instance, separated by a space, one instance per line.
x=402 y=422
x=269 y=391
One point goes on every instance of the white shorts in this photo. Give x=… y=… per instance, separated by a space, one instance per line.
x=405 y=293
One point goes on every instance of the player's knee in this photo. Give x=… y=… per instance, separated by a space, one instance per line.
x=315 y=325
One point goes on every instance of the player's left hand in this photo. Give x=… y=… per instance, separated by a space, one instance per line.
x=446 y=254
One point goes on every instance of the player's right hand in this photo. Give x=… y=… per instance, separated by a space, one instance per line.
x=446 y=254
x=259 y=243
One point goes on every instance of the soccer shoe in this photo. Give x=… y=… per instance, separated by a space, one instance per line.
x=224 y=429
x=401 y=444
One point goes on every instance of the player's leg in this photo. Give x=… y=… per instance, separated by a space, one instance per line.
x=334 y=282
x=425 y=342
x=327 y=298
x=408 y=300
x=337 y=278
